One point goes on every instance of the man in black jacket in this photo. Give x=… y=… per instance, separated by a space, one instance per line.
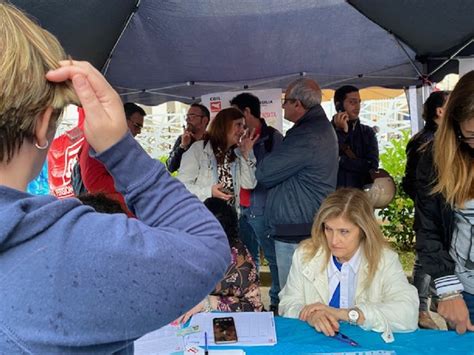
x=358 y=147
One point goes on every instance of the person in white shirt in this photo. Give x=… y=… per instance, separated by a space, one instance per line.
x=347 y=272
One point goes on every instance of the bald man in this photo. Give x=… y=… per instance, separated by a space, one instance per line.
x=300 y=172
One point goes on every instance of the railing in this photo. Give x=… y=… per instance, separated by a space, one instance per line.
x=160 y=131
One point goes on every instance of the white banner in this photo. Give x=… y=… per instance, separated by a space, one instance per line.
x=270 y=104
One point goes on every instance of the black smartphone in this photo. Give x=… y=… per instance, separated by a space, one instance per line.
x=224 y=330
x=339 y=107
x=226 y=191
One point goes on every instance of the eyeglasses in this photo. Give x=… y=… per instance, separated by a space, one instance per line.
x=287 y=99
x=190 y=116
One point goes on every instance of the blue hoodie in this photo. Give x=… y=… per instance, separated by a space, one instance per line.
x=74 y=280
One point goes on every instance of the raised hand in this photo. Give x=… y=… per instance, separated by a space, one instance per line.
x=105 y=122
x=247 y=141
x=186 y=138
x=341 y=121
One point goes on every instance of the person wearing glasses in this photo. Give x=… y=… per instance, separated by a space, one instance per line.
x=445 y=208
x=197 y=119
x=95 y=176
x=299 y=173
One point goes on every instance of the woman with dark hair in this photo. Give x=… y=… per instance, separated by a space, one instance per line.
x=239 y=290
x=432 y=114
x=445 y=208
x=223 y=162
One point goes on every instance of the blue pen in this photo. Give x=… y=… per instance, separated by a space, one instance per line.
x=205 y=344
x=345 y=339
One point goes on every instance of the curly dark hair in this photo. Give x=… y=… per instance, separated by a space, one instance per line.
x=101 y=203
x=226 y=215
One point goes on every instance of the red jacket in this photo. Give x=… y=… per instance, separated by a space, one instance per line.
x=97 y=179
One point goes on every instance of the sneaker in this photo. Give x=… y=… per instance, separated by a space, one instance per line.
x=425 y=321
x=274 y=309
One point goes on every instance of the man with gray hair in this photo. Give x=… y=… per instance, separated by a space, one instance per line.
x=300 y=172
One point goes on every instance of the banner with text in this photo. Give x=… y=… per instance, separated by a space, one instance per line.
x=270 y=104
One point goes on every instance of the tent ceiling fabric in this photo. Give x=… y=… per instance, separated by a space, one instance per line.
x=87 y=29
x=431 y=28
x=434 y=29
x=164 y=50
x=252 y=44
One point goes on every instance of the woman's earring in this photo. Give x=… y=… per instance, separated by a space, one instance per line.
x=42 y=147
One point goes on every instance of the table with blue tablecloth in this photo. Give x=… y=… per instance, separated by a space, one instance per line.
x=297 y=337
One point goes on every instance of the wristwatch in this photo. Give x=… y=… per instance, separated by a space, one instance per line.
x=353 y=315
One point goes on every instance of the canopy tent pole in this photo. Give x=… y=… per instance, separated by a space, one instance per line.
x=420 y=74
x=451 y=57
x=105 y=68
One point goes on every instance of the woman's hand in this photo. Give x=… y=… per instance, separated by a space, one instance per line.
x=185 y=317
x=310 y=308
x=216 y=192
x=247 y=141
x=324 y=321
x=456 y=313
x=105 y=122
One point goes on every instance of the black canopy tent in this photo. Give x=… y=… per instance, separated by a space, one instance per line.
x=155 y=51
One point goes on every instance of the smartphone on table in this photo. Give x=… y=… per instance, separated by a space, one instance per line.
x=224 y=330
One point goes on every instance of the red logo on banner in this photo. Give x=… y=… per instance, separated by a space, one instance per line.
x=61 y=158
x=216 y=106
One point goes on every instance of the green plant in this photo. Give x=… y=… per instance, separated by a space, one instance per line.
x=398 y=216
x=163 y=159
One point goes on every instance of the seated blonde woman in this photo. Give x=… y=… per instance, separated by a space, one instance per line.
x=346 y=272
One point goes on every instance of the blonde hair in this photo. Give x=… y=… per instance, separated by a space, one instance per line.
x=453 y=165
x=353 y=205
x=27 y=53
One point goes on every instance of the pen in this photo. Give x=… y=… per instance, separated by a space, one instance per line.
x=205 y=344
x=345 y=339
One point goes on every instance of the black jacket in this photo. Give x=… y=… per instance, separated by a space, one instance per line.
x=413 y=156
x=174 y=160
x=362 y=141
x=435 y=224
x=299 y=174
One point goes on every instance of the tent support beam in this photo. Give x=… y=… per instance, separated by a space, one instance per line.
x=105 y=68
x=451 y=57
x=420 y=74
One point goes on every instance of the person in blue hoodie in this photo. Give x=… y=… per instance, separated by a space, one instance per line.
x=74 y=280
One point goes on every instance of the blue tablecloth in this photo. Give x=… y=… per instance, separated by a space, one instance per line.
x=297 y=337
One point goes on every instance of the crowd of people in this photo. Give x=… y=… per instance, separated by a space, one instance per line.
x=143 y=249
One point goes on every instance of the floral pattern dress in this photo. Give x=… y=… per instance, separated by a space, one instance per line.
x=239 y=290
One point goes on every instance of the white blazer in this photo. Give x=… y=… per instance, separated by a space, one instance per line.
x=198 y=171
x=389 y=304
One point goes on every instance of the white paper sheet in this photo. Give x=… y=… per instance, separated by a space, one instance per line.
x=160 y=342
x=253 y=328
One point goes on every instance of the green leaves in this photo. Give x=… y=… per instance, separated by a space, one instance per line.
x=398 y=217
